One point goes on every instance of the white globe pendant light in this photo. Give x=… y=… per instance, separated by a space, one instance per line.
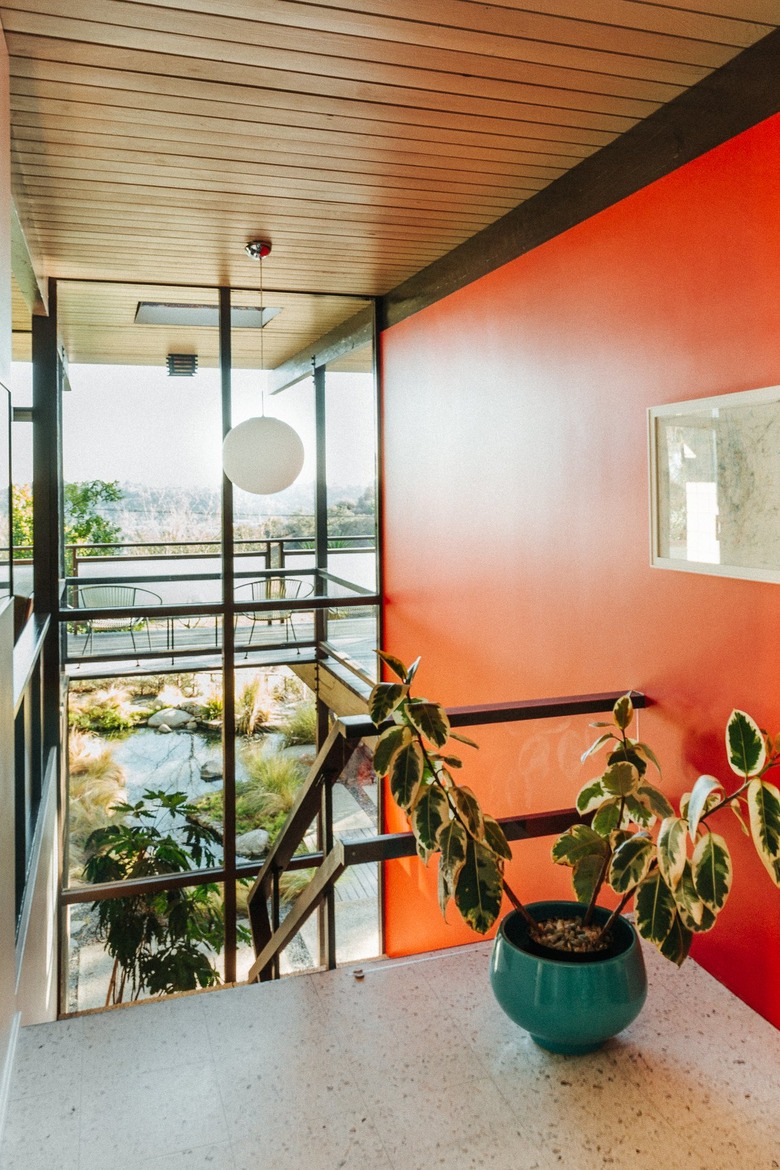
x=262 y=455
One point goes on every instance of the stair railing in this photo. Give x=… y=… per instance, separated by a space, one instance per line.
x=270 y=934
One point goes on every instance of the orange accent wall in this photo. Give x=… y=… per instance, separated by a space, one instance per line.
x=516 y=514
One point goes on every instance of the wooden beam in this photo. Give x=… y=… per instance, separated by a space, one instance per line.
x=732 y=99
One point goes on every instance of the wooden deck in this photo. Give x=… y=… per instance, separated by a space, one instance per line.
x=196 y=643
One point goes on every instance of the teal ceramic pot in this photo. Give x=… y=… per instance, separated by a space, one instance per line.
x=568 y=1006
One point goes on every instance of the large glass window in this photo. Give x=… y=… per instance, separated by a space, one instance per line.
x=155 y=776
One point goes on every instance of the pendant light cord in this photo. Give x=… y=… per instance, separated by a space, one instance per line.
x=262 y=347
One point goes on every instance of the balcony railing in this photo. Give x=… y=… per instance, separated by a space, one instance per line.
x=170 y=597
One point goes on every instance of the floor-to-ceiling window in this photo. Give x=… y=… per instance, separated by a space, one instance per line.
x=195 y=618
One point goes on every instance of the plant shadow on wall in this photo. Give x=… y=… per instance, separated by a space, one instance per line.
x=630 y=841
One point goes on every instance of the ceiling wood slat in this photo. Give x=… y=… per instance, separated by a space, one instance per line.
x=367 y=139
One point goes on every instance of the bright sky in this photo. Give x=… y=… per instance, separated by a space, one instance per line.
x=138 y=425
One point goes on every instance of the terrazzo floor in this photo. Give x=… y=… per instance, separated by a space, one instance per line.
x=412 y=1067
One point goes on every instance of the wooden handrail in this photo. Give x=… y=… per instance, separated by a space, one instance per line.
x=345 y=735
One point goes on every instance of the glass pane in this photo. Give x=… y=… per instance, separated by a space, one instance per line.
x=187 y=953
x=144 y=758
x=355 y=818
x=352 y=636
x=351 y=468
x=141 y=445
x=275 y=748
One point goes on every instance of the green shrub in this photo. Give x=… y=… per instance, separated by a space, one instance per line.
x=250 y=714
x=265 y=798
x=96 y=789
x=300 y=727
x=159 y=942
x=108 y=711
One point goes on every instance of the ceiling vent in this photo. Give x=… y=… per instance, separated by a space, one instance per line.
x=182 y=365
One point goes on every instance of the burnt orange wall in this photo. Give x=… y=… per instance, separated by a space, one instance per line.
x=516 y=511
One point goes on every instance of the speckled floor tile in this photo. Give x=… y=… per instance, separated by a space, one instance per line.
x=413 y=1067
x=211 y=1157
x=49 y=1058
x=338 y=1142
x=130 y=1118
x=42 y=1131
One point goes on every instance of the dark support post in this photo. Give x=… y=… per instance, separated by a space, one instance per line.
x=228 y=657
x=47 y=505
x=328 y=914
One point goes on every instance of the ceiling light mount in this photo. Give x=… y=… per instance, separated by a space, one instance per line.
x=258 y=249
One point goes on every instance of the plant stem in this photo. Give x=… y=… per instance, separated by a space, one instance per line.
x=617 y=912
x=597 y=889
x=518 y=905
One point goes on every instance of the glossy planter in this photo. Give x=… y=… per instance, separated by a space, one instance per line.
x=568 y=1006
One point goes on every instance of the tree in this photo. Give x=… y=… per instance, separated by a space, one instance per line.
x=159 y=942
x=22 y=509
x=84 y=520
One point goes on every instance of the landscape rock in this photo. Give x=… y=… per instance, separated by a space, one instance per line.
x=252 y=844
x=211 y=770
x=171 y=716
x=192 y=725
x=164 y=729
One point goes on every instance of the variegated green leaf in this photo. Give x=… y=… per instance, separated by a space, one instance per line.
x=737 y=811
x=585 y=876
x=387 y=745
x=644 y=750
x=764 y=809
x=607 y=819
x=700 y=800
x=630 y=863
x=411 y=672
x=696 y=915
x=406 y=770
x=594 y=747
x=685 y=801
x=495 y=838
x=677 y=943
x=672 y=849
x=620 y=778
x=590 y=797
x=463 y=739
x=623 y=712
x=625 y=754
x=639 y=810
x=469 y=811
x=452 y=843
x=745 y=745
x=384 y=699
x=431 y=815
x=452 y=761
x=656 y=800
x=711 y=867
x=479 y=888
x=430 y=719
x=655 y=908
x=395 y=664
x=576 y=843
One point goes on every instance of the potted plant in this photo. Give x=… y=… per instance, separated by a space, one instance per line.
x=572 y=972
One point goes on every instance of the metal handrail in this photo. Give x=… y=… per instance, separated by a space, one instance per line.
x=269 y=935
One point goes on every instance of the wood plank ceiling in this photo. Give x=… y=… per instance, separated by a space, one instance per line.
x=365 y=138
